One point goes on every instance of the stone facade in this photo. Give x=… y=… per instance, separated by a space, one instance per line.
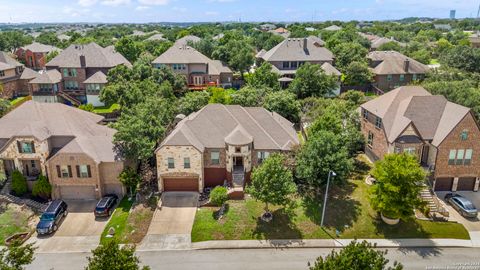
x=11 y=152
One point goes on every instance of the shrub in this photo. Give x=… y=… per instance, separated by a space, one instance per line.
x=42 y=187
x=130 y=179
x=19 y=183
x=219 y=196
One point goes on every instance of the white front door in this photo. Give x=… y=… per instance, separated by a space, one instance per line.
x=197 y=80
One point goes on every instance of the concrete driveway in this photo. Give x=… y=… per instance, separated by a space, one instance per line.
x=470 y=224
x=79 y=231
x=172 y=222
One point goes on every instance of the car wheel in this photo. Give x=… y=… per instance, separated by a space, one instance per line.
x=65 y=213
x=55 y=228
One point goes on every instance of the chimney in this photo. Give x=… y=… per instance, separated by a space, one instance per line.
x=305 y=42
x=406 y=64
x=83 y=62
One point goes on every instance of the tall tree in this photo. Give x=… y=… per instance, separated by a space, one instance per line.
x=4 y=106
x=16 y=256
x=128 y=48
x=355 y=256
x=311 y=81
x=193 y=101
x=357 y=74
x=250 y=96
x=263 y=77
x=323 y=152
x=272 y=182
x=346 y=53
x=283 y=103
x=111 y=256
x=398 y=183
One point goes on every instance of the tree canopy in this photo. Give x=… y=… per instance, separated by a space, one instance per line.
x=311 y=81
x=283 y=103
x=111 y=256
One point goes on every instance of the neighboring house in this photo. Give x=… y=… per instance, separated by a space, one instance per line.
x=444 y=136
x=281 y=32
x=392 y=69
x=64 y=143
x=475 y=40
x=24 y=81
x=268 y=27
x=444 y=27
x=35 y=55
x=47 y=86
x=219 y=36
x=10 y=71
x=186 y=40
x=83 y=69
x=156 y=37
x=310 y=29
x=218 y=144
x=63 y=37
x=199 y=70
x=377 y=41
x=333 y=28
x=292 y=53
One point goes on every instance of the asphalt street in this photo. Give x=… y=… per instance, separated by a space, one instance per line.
x=291 y=259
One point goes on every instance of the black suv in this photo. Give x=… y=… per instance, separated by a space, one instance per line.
x=50 y=219
x=105 y=206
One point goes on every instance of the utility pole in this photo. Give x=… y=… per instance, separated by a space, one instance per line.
x=332 y=174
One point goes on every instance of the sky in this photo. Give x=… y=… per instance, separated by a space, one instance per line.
x=144 y=11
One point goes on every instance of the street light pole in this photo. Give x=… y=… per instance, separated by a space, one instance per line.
x=333 y=174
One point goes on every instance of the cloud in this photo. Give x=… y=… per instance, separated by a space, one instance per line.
x=87 y=3
x=114 y=3
x=154 y=2
x=141 y=8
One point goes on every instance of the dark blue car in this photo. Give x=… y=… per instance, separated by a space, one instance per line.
x=50 y=219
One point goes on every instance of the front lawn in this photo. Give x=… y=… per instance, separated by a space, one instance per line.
x=17 y=100
x=131 y=224
x=14 y=219
x=106 y=109
x=348 y=215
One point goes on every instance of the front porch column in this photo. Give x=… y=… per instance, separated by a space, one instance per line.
x=477 y=183
x=455 y=184
x=18 y=165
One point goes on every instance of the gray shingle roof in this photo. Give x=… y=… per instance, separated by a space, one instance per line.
x=8 y=62
x=156 y=37
x=28 y=74
x=95 y=57
x=40 y=48
x=433 y=116
x=182 y=54
x=47 y=77
x=46 y=120
x=292 y=49
x=392 y=62
x=184 y=40
x=216 y=123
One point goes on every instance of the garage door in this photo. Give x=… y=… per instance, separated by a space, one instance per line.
x=466 y=183
x=77 y=192
x=443 y=184
x=180 y=184
x=113 y=189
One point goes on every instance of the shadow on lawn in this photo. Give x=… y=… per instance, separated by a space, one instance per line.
x=407 y=229
x=341 y=212
x=280 y=227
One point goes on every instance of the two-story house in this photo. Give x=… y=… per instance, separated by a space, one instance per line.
x=199 y=70
x=444 y=136
x=10 y=72
x=392 y=69
x=83 y=69
x=218 y=144
x=292 y=53
x=66 y=144
x=35 y=55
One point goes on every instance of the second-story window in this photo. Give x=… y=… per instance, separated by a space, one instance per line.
x=83 y=171
x=171 y=163
x=65 y=72
x=293 y=64
x=73 y=72
x=365 y=114
x=464 y=135
x=389 y=77
x=286 y=64
x=402 y=77
x=378 y=122
x=64 y=171
x=262 y=155
x=460 y=154
x=186 y=163
x=409 y=150
x=468 y=157
x=71 y=85
x=370 y=139
x=414 y=77
x=26 y=147
x=215 y=157
x=451 y=157
x=2 y=73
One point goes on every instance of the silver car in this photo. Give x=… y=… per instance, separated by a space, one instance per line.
x=462 y=205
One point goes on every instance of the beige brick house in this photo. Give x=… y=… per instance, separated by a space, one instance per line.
x=220 y=143
x=443 y=135
x=199 y=70
x=64 y=143
x=10 y=72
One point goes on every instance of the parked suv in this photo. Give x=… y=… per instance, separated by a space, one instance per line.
x=105 y=206
x=50 y=219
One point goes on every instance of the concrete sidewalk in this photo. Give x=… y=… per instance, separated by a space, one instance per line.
x=331 y=243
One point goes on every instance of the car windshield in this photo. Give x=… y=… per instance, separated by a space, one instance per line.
x=468 y=206
x=48 y=216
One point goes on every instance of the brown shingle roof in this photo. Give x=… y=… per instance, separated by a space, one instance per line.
x=215 y=123
x=8 y=62
x=392 y=62
x=433 y=116
x=292 y=49
x=97 y=77
x=47 y=120
x=47 y=77
x=40 y=48
x=95 y=57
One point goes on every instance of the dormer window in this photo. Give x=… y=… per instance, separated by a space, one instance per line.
x=26 y=147
x=464 y=135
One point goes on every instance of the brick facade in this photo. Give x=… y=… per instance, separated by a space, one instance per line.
x=380 y=145
x=382 y=82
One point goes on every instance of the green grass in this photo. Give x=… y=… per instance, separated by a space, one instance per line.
x=434 y=61
x=118 y=221
x=105 y=109
x=17 y=100
x=348 y=213
x=12 y=221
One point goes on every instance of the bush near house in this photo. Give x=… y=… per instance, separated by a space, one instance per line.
x=19 y=183
x=42 y=188
x=219 y=196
